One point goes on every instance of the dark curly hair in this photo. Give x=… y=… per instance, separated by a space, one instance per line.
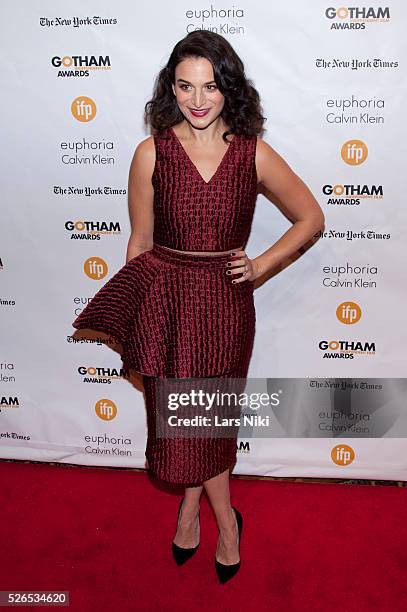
x=242 y=110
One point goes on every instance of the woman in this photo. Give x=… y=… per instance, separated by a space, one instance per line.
x=182 y=307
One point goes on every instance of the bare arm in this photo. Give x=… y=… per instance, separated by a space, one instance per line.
x=277 y=176
x=141 y=197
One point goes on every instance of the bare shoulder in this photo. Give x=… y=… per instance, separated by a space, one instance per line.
x=144 y=157
x=145 y=150
x=268 y=162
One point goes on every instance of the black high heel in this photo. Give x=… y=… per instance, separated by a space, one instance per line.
x=226 y=572
x=181 y=555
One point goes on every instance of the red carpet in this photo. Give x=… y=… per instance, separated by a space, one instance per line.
x=104 y=535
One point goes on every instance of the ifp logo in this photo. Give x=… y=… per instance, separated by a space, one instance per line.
x=342 y=454
x=95 y=268
x=83 y=109
x=348 y=313
x=106 y=409
x=354 y=152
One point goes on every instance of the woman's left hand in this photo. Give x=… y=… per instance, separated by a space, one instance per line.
x=241 y=264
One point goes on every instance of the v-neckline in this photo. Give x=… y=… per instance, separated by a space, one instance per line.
x=221 y=163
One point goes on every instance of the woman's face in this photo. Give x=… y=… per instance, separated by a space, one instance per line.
x=195 y=89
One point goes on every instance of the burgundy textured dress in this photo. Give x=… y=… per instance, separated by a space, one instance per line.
x=178 y=315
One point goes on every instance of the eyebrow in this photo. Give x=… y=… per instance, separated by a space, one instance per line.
x=184 y=81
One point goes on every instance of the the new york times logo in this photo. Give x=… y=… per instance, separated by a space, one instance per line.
x=76 y=22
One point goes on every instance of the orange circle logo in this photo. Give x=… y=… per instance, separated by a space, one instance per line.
x=354 y=152
x=342 y=12
x=95 y=268
x=67 y=61
x=106 y=409
x=83 y=109
x=348 y=313
x=342 y=455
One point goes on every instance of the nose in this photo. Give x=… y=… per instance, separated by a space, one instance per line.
x=198 y=99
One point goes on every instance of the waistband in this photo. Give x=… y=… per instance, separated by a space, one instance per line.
x=209 y=261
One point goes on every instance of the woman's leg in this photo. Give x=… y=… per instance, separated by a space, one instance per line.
x=217 y=489
x=187 y=534
x=188 y=530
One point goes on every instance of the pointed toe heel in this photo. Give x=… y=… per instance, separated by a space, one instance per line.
x=226 y=572
x=181 y=555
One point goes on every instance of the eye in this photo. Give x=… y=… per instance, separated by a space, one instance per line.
x=184 y=87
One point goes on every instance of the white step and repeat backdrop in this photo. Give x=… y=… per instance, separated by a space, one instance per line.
x=333 y=82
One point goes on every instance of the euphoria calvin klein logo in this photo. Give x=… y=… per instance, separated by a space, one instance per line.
x=349 y=276
x=95 y=268
x=342 y=454
x=354 y=152
x=83 y=109
x=348 y=313
x=106 y=409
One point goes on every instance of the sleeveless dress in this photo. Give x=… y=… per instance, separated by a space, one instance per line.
x=177 y=315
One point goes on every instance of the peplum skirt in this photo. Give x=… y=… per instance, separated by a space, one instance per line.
x=178 y=316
